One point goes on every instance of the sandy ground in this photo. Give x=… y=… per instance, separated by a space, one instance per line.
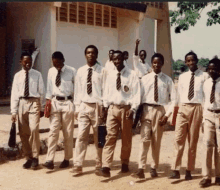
x=12 y=176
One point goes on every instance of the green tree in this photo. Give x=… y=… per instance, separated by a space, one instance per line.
x=203 y=62
x=189 y=12
x=179 y=65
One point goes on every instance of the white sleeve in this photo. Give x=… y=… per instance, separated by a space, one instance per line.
x=14 y=96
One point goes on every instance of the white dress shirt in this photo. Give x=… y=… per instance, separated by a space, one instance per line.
x=183 y=86
x=129 y=94
x=207 y=89
x=66 y=87
x=34 y=55
x=81 y=94
x=166 y=90
x=36 y=88
x=140 y=68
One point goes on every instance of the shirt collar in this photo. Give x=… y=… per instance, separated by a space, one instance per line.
x=123 y=70
x=63 y=69
x=93 y=67
x=28 y=71
x=196 y=72
x=159 y=74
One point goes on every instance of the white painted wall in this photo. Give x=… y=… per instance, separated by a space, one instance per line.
x=129 y=30
x=72 y=40
x=29 y=21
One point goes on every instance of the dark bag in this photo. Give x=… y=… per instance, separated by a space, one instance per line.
x=102 y=132
x=12 y=137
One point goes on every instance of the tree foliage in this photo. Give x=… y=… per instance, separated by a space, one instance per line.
x=188 y=13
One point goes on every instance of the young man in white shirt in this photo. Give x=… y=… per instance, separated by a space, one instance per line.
x=109 y=64
x=88 y=102
x=189 y=117
x=60 y=85
x=121 y=99
x=211 y=117
x=157 y=90
x=27 y=103
x=141 y=67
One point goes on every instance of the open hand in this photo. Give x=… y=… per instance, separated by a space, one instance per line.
x=129 y=113
x=163 y=120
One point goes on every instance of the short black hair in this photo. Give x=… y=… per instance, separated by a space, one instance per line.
x=192 y=53
x=118 y=51
x=159 y=55
x=57 y=55
x=25 y=53
x=216 y=62
x=143 y=51
x=125 y=52
x=111 y=50
x=94 y=47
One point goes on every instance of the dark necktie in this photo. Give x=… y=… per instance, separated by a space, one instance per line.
x=191 y=87
x=118 y=82
x=212 y=96
x=155 y=89
x=58 y=79
x=89 y=81
x=26 y=89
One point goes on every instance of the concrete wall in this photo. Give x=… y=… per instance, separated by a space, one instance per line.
x=72 y=40
x=130 y=29
x=29 y=21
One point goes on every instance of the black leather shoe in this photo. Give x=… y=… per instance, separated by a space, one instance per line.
x=188 y=175
x=105 y=172
x=205 y=183
x=64 y=164
x=153 y=172
x=175 y=174
x=124 y=168
x=49 y=165
x=35 y=163
x=217 y=181
x=139 y=174
x=28 y=163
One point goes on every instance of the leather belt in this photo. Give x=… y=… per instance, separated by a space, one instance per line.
x=214 y=111
x=63 y=97
x=121 y=106
x=26 y=98
x=153 y=105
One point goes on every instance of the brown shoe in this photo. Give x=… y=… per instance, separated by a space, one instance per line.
x=139 y=174
x=153 y=172
x=205 y=182
x=77 y=169
x=64 y=164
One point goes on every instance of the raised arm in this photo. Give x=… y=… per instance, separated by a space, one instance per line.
x=136 y=47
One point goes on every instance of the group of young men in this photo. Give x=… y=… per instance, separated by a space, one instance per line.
x=115 y=94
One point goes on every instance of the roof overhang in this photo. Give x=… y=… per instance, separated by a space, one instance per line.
x=140 y=7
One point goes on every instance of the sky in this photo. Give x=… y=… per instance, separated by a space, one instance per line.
x=203 y=40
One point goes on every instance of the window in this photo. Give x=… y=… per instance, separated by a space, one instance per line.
x=87 y=13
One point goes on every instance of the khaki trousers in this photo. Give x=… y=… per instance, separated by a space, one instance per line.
x=88 y=116
x=62 y=115
x=116 y=120
x=211 y=140
x=188 y=122
x=151 y=134
x=28 y=125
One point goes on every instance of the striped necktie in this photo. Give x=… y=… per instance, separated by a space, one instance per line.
x=58 y=79
x=26 y=89
x=118 y=82
x=155 y=89
x=89 y=81
x=191 y=87
x=212 y=96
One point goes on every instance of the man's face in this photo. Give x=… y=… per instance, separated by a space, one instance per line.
x=157 y=65
x=117 y=59
x=91 y=56
x=191 y=62
x=110 y=55
x=213 y=71
x=126 y=55
x=58 y=63
x=142 y=55
x=26 y=62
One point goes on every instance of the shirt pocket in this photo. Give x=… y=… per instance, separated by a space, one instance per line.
x=33 y=85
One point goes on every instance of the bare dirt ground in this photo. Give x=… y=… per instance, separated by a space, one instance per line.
x=13 y=177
